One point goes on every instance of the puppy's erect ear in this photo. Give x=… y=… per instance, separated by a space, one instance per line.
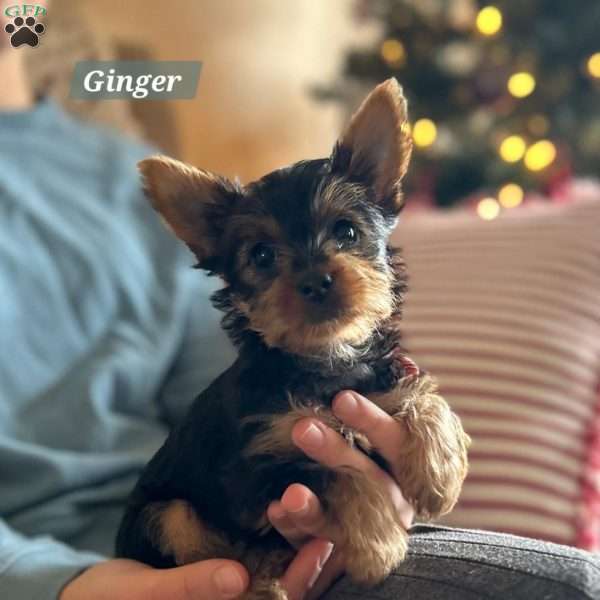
x=194 y=203
x=375 y=148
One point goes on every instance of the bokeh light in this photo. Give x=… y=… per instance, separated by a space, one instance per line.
x=488 y=208
x=520 y=85
x=424 y=132
x=489 y=20
x=593 y=65
x=393 y=52
x=510 y=195
x=512 y=148
x=540 y=155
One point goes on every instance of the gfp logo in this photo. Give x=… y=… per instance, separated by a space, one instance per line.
x=24 y=27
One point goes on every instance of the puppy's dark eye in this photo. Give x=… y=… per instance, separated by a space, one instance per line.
x=344 y=233
x=263 y=256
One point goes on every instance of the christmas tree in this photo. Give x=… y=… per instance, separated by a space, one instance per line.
x=504 y=98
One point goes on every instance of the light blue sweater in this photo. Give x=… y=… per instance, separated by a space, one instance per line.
x=106 y=335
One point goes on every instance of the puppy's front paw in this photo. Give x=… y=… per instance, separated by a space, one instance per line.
x=373 y=540
x=433 y=465
x=371 y=562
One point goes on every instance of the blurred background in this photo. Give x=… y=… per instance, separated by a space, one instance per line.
x=504 y=98
x=501 y=93
x=254 y=110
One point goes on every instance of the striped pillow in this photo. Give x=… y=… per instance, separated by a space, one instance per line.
x=506 y=314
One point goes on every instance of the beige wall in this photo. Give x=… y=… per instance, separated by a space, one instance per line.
x=253 y=112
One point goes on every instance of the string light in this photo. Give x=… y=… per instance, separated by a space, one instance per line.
x=512 y=149
x=489 y=20
x=540 y=155
x=488 y=209
x=593 y=65
x=393 y=52
x=424 y=132
x=520 y=85
x=510 y=195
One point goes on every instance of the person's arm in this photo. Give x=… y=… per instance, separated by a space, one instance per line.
x=37 y=568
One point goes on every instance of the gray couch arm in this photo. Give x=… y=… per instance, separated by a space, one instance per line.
x=458 y=564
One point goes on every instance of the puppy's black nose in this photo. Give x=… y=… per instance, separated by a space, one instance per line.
x=315 y=285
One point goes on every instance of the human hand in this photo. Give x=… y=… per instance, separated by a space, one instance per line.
x=216 y=579
x=298 y=515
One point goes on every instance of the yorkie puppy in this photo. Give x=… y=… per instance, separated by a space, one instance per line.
x=312 y=299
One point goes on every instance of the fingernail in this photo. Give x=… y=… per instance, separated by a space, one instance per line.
x=313 y=437
x=326 y=554
x=323 y=558
x=228 y=582
x=347 y=404
x=298 y=510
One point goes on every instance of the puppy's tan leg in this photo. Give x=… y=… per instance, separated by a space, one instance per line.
x=265 y=589
x=373 y=540
x=267 y=568
x=433 y=464
x=175 y=530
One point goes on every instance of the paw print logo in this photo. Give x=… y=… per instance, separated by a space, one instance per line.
x=24 y=31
